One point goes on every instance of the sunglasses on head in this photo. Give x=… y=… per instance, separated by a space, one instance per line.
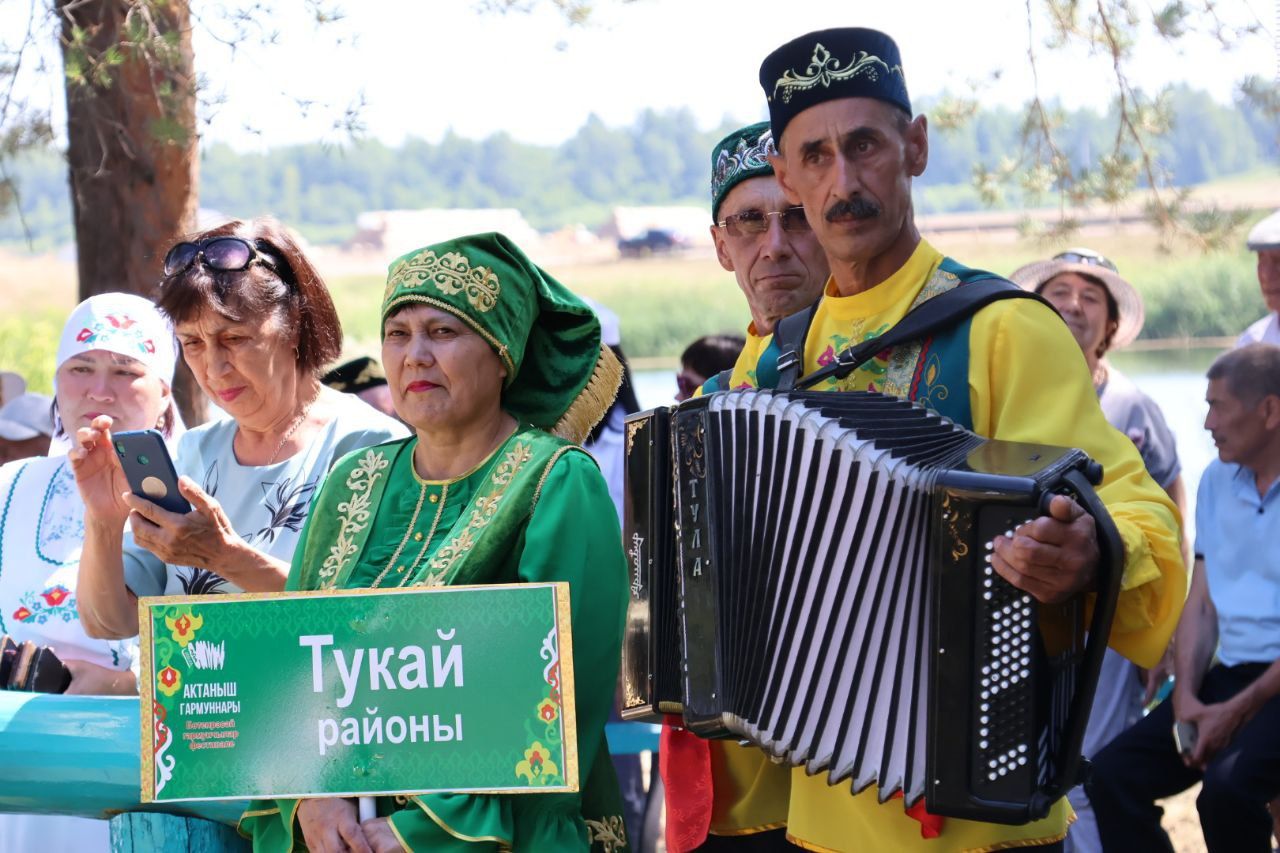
x=1077 y=256
x=753 y=222
x=223 y=254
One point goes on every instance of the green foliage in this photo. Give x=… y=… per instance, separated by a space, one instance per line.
x=1136 y=157
x=662 y=158
x=29 y=346
x=1209 y=296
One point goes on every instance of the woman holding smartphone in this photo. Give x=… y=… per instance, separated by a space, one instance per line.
x=115 y=358
x=257 y=327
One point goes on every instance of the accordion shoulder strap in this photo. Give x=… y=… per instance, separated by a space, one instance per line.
x=937 y=314
x=789 y=336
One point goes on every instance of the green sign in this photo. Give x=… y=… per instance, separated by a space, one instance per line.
x=358 y=692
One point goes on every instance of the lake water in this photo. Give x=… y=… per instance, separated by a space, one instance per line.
x=1173 y=378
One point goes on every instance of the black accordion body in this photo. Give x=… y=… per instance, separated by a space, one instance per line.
x=810 y=573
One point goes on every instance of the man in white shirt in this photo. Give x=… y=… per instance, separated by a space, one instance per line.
x=1265 y=240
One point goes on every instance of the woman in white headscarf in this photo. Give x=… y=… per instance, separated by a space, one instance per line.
x=116 y=357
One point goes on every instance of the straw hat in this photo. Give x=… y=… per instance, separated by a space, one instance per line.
x=1088 y=262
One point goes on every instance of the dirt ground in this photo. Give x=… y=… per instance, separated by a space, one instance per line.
x=1182 y=822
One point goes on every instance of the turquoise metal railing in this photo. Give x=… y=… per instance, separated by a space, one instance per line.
x=79 y=755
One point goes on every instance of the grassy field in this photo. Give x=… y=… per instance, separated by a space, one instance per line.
x=665 y=303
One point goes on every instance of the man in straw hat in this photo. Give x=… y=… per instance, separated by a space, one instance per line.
x=1264 y=239
x=1105 y=312
x=848 y=149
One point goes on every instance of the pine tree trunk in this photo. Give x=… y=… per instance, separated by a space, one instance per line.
x=131 y=145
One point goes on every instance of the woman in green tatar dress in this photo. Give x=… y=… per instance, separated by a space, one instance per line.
x=498 y=368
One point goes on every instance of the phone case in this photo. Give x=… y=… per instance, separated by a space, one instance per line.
x=149 y=469
x=1184 y=737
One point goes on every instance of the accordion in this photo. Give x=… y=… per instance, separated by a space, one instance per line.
x=810 y=573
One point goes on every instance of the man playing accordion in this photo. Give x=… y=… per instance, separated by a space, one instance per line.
x=848 y=149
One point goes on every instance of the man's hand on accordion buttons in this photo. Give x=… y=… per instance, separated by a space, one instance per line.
x=1052 y=557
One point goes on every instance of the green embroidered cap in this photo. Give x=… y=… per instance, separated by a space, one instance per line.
x=559 y=376
x=741 y=155
x=845 y=62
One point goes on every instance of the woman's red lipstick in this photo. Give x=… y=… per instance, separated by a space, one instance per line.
x=421 y=385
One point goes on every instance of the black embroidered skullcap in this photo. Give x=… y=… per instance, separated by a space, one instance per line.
x=356 y=375
x=846 y=62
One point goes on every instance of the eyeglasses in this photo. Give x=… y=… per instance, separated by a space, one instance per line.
x=224 y=254
x=753 y=222
x=1084 y=256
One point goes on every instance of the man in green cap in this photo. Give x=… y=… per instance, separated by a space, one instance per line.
x=760 y=237
x=848 y=149
x=500 y=372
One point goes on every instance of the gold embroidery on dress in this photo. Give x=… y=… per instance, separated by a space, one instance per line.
x=824 y=69
x=610 y=832
x=354 y=514
x=451 y=273
x=555 y=457
x=484 y=509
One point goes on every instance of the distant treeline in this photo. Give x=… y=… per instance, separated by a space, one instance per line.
x=661 y=158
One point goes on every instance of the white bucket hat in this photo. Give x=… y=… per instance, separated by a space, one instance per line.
x=12 y=386
x=26 y=416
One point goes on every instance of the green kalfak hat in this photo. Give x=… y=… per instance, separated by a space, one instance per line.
x=559 y=377
x=741 y=155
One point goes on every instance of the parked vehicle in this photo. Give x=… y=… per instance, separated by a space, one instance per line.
x=652 y=242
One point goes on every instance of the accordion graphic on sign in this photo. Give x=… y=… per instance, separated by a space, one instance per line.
x=810 y=573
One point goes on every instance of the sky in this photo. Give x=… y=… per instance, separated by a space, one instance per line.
x=423 y=67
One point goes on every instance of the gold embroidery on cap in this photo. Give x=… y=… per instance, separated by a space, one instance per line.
x=451 y=273
x=824 y=69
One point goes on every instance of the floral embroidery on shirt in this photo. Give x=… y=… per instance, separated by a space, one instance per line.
x=60 y=529
x=877 y=366
x=287 y=506
x=197 y=581
x=56 y=602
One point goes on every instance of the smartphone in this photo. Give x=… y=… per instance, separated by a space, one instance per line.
x=149 y=469
x=1184 y=737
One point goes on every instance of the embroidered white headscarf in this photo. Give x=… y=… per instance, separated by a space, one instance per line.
x=122 y=323
x=125 y=324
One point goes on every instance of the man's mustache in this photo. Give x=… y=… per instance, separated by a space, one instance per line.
x=856 y=208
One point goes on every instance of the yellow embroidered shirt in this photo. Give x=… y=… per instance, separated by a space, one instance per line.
x=1027 y=382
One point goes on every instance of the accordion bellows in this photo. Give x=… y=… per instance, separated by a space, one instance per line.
x=810 y=573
